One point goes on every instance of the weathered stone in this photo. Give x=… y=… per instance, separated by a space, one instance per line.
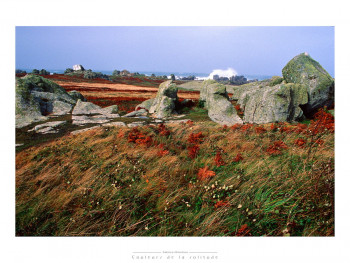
x=273 y=104
x=86 y=108
x=164 y=104
x=116 y=123
x=27 y=107
x=50 y=97
x=145 y=105
x=61 y=108
x=110 y=110
x=83 y=119
x=141 y=112
x=136 y=124
x=78 y=68
x=216 y=99
x=304 y=70
x=37 y=97
x=48 y=127
x=76 y=95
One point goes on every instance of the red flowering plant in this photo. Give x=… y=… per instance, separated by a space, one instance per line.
x=221 y=203
x=205 y=173
x=218 y=159
x=163 y=131
x=236 y=126
x=193 y=151
x=300 y=142
x=276 y=148
x=163 y=151
x=260 y=130
x=243 y=231
x=136 y=136
x=194 y=140
x=238 y=158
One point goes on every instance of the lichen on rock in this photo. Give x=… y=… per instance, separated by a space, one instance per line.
x=216 y=100
x=164 y=103
x=304 y=70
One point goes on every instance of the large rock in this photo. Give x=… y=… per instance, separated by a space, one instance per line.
x=110 y=110
x=145 y=105
x=78 y=68
x=137 y=113
x=37 y=97
x=76 y=95
x=278 y=103
x=164 y=104
x=84 y=119
x=48 y=127
x=304 y=70
x=216 y=99
x=61 y=108
x=86 y=108
x=27 y=107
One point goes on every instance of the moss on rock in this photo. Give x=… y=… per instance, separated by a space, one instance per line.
x=304 y=70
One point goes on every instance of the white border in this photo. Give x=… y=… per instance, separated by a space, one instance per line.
x=247 y=13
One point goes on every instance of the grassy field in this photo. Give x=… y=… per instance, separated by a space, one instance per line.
x=244 y=180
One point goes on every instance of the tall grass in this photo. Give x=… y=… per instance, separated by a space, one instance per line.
x=102 y=183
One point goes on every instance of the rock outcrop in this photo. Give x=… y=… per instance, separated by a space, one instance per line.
x=137 y=113
x=304 y=70
x=76 y=95
x=164 y=104
x=278 y=103
x=48 y=127
x=37 y=97
x=145 y=105
x=78 y=68
x=86 y=108
x=87 y=112
x=216 y=99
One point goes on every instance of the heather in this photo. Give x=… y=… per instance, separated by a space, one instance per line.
x=195 y=178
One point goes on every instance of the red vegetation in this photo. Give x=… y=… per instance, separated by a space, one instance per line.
x=236 y=127
x=285 y=129
x=126 y=104
x=162 y=153
x=205 y=173
x=138 y=137
x=276 y=148
x=163 y=131
x=221 y=203
x=273 y=127
x=300 y=128
x=246 y=127
x=319 y=142
x=238 y=158
x=224 y=128
x=238 y=109
x=193 y=151
x=243 y=231
x=121 y=134
x=300 y=142
x=260 y=130
x=196 y=138
x=324 y=121
x=189 y=123
x=218 y=159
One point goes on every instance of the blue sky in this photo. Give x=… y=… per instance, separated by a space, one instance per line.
x=248 y=50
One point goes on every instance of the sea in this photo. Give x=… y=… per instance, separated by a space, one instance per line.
x=178 y=75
